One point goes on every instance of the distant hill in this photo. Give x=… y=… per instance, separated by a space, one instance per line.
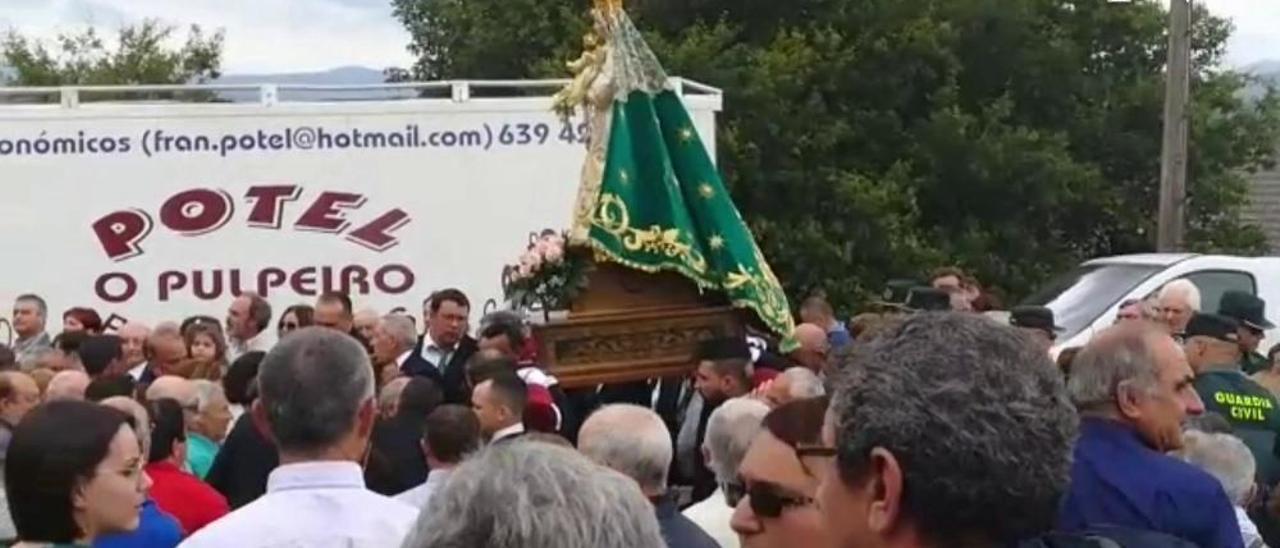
x=1266 y=71
x=341 y=76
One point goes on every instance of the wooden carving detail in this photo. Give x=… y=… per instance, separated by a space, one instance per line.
x=644 y=345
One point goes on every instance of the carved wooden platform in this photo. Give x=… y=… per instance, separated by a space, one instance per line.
x=630 y=325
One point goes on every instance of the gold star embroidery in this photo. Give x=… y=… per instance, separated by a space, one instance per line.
x=716 y=242
x=686 y=134
x=706 y=191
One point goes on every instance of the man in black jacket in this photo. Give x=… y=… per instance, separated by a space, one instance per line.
x=446 y=347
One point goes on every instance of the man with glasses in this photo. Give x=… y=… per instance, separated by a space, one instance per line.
x=775 y=494
x=944 y=427
x=730 y=431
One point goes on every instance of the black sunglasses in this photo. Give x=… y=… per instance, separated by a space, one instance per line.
x=288 y=326
x=765 y=501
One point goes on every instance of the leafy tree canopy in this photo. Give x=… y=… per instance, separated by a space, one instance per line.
x=870 y=139
x=140 y=54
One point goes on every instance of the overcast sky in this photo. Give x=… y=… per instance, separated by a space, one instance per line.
x=302 y=35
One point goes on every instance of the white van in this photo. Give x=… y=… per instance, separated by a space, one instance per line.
x=1086 y=299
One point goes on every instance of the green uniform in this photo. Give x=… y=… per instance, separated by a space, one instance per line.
x=1253 y=412
x=1253 y=362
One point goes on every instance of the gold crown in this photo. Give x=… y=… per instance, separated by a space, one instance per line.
x=608 y=6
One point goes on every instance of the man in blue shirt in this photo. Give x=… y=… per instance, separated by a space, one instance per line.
x=1133 y=387
x=817 y=311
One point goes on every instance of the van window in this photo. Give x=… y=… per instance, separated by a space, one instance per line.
x=1213 y=283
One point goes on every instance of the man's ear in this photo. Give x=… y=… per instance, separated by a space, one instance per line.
x=1128 y=400
x=884 y=485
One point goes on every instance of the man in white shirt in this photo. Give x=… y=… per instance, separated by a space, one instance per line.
x=316 y=401
x=452 y=434
x=499 y=406
x=730 y=430
x=247 y=321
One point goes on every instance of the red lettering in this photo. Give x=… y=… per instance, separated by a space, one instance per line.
x=380 y=279
x=326 y=215
x=169 y=282
x=118 y=295
x=210 y=293
x=355 y=275
x=270 y=278
x=303 y=281
x=196 y=211
x=375 y=235
x=268 y=204
x=121 y=232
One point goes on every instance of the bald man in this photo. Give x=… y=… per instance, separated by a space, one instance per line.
x=175 y=388
x=814 y=347
x=67 y=385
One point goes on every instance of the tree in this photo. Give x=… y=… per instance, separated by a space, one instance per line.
x=871 y=139
x=140 y=56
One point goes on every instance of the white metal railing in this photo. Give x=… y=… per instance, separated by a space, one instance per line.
x=460 y=91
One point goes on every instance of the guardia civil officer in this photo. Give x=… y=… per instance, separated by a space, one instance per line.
x=1212 y=348
x=1251 y=312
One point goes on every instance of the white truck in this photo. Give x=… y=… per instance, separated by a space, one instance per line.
x=1085 y=300
x=158 y=210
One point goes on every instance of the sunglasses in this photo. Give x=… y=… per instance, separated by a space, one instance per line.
x=765 y=501
x=288 y=326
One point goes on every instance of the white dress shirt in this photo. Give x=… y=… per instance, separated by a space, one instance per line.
x=435 y=354
x=259 y=343
x=403 y=357
x=713 y=516
x=420 y=497
x=316 y=505
x=137 y=370
x=513 y=430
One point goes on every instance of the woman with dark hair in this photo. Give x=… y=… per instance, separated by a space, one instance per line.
x=73 y=473
x=295 y=317
x=82 y=319
x=178 y=493
x=778 y=481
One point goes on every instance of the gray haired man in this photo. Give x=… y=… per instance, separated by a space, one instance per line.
x=634 y=441
x=946 y=426
x=30 y=313
x=490 y=500
x=316 y=401
x=730 y=430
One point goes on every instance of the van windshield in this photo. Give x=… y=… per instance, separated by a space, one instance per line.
x=1080 y=295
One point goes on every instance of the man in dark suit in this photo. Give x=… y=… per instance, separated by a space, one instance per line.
x=499 y=405
x=446 y=347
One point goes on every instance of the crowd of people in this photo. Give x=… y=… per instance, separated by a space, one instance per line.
x=924 y=423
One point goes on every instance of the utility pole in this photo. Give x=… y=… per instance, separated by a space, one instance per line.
x=1173 y=161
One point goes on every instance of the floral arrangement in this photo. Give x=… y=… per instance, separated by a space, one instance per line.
x=548 y=275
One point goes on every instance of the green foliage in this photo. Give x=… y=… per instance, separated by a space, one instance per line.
x=140 y=55
x=871 y=139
